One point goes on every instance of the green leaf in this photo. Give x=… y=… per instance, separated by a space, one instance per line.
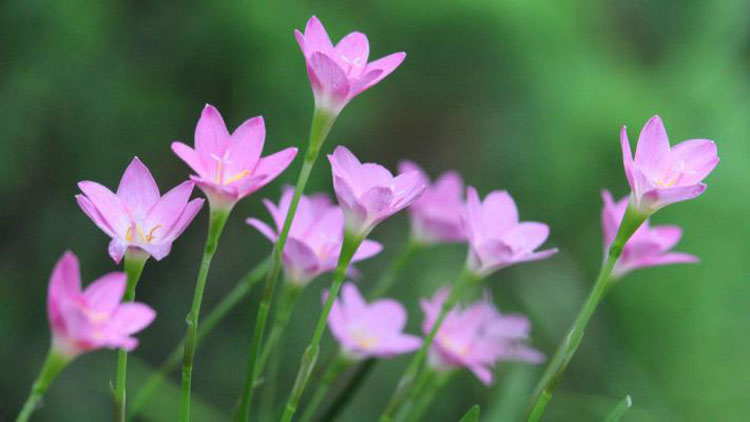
x=472 y=415
x=620 y=409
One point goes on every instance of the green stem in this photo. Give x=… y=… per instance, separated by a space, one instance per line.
x=620 y=409
x=433 y=385
x=51 y=369
x=465 y=281
x=310 y=356
x=349 y=390
x=339 y=365
x=217 y=219
x=389 y=276
x=321 y=125
x=240 y=290
x=135 y=260
x=567 y=349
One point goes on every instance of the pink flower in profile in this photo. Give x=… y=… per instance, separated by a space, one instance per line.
x=137 y=216
x=436 y=215
x=660 y=175
x=315 y=238
x=648 y=247
x=229 y=166
x=338 y=74
x=93 y=318
x=496 y=238
x=370 y=330
x=368 y=193
x=477 y=337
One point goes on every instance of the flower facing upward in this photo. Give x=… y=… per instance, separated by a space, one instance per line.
x=649 y=246
x=137 y=216
x=496 y=238
x=229 y=166
x=368 y=193
x=338 y=74
x=370 y=330
x=315 y=238
x=477 y=337
x=660 y=175
x=436 y=215
x=93 y=318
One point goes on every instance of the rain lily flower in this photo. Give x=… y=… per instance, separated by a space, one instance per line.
x=370 y=330
x=476 y=337
x=436 y=215
x=229 y=166
x=137 y=216
x=94 y=318
x=660 y=175
x=649 y=246
x=368 y=193
x=338 y=74
x=315 y=238
x=496 y=238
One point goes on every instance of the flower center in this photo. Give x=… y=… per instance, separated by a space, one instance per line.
x=136 y=233
x=363 y=340
x=221 y=162
x=457 y=348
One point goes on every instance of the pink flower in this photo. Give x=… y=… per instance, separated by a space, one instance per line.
x=338 y=74
x=496 y=238
x=370 y=330
x=648 y=247
x=477 y=337
x=436 y=215
x=93 y=318
x=137 y=216
x=368 y=193
x=315 y=238
x=230 y=167
x=660 y=176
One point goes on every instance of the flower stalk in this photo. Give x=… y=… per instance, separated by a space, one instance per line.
x=339 y=365
x=53 y=365
x=349 y=390
x=217 y=220
x=567 y=349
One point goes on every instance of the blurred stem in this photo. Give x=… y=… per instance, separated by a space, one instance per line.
x=434 y=381
x=240 y=290
x=310 y=356
x=567 y=349
x=334 y=370
x=349 y=390
x=465 y=281
x=135 y=260
x=389 y=276
x=53 y=365
x=322 y=122
x=620 y=409
x=217 y=220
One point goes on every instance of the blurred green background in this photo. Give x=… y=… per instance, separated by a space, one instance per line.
x=522 y=95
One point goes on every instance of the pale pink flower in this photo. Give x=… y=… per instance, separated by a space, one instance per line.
x=436 y=215
x=496 y=238
x=649 y=246
x=229 y=166
x=315 y=237
x=370 y=330
x=93 y=318
x=137 y=216
x=368 y=193
x=476 y=337
x=660 y=175
x=338 y=74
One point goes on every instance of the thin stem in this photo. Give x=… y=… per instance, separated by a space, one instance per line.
x=349 y=390
x=620 y=409
x=321 y=125
x=390 y=275
x=433 y=386
x=217 y=219
x=339 y=365
x=310 y=356
x=135 y=260
x=567 y=349
x=53 y=364
x=240 y=290
x=464 y=282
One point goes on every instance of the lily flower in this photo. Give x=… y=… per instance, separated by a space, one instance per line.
x=229 y=166
x=137 y=216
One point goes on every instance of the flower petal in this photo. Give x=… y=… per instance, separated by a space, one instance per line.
x=190 y=157
x=104 y=294
x=267 y=169
x=627 y=157
x=90 y=210
x=385 y=65
x=652 y=155
x=108 y=204
x=662 y=197
x=694 y=159
x=211 y=135
x=316 y=37
x=353 y=51
x=129 y=318
x=138 y=190
x=367 y=249
x=263 y=228
x=188 y=214
x=168 y=209
x=246 y=146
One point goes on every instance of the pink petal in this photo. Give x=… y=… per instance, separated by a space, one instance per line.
x=246 y=146
x=346 y=197
x=211 y=135
x=666 y=236
x=407 y=188
x=352 y=299
x=537 y=256
x=385 y=65
x=190 y=157
x=301 y=259
x=157 y=250
x=188 y=214
x=627 y=157
x=694 y=159
x=376 y=200
x=499 y=212
x=64 y=284
x=169 y=208
x=104 y=294
x=328 y=78
x=353 y=51
x=367 y=249
x=263 y=228
x=108 y=204
x=316 y=37
x=527 y=236
x=652 y=155
x=662 y=197
x=130 y=318
x=610 y=218
x=137 y=189
x=389 y=314
x=345 y=164
x=300 y=37
x=483 y=373
x=90 y=210
x=270 y=166
x=472 y=217
x=117 y=248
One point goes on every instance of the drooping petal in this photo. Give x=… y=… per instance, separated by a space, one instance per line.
x=263 y=228
x=138 y=190
x=105 y=293
x=694 y=159
x=652 y=155
x=117 y=248
x=157 y=250
x=662 y=197
x=483 y=373
x=108 y=204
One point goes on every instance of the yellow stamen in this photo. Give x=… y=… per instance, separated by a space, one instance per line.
x=150 y=234
x=237 y=177
x=129 y=234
